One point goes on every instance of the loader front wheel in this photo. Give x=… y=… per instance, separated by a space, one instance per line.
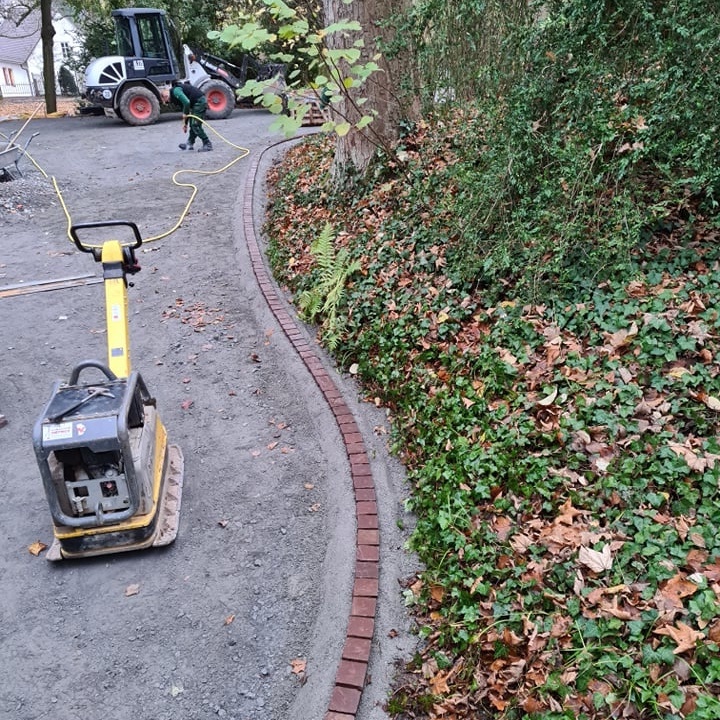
x=220 y=100
x=139 y=106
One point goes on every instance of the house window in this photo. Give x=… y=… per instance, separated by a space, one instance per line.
x=66 y=50
x=8 y=76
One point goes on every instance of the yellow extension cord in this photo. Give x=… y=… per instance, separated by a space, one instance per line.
x=244 y=152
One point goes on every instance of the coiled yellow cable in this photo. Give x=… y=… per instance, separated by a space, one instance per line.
x=244 y=152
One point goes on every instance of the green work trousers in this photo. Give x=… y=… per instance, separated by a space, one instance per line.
x=196 y=127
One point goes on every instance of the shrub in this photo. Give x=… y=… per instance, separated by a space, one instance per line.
x=66 y=80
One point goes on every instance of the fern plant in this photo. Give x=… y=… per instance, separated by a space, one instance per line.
x=324 y=298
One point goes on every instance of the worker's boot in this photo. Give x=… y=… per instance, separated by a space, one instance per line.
x=206 y=147
x=186 y=146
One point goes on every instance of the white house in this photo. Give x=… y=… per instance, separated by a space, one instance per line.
x=21 y=63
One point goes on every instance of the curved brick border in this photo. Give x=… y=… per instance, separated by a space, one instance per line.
x=352 y=671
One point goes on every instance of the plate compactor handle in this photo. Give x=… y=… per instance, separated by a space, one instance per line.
x=108 y=223
x=75 y=375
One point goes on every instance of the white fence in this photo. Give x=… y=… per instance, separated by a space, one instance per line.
x=16 y=90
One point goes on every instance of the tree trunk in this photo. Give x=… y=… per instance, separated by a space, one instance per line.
x=355 y=150
x=47 y=33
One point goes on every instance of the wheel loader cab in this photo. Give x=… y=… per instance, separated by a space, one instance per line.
x=145 y=39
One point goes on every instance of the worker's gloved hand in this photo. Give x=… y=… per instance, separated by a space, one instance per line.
x=185 y=128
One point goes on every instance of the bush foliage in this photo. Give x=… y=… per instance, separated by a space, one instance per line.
x=608 y=131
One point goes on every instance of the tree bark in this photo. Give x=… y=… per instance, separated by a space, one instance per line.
x=355 y=150
x=47 y=33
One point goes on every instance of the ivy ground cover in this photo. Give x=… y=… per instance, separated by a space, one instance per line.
x=563 y=451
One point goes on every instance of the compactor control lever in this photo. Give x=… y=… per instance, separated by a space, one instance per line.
x=130 y=263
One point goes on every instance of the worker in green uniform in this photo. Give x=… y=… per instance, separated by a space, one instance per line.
x=193 y=104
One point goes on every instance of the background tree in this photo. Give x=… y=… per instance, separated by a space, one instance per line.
x=351 y=61
x=47 y=33
x=381 y=92
x=18 y=12
x=462 y=49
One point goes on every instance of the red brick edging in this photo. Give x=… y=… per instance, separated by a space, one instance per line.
x=352 y=671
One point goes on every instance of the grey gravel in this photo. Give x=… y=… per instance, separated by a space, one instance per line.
x=221 y=613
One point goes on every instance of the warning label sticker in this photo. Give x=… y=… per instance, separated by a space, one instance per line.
x=60 y=431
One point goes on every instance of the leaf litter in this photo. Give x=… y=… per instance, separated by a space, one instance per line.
x=563 y=461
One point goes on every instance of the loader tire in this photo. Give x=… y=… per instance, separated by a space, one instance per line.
x=220 y=99
x=139 y=106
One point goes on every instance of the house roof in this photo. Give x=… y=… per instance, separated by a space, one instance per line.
x=18 y=41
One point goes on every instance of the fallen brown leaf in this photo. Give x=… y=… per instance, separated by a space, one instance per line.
x=694 y=461
x=549 y=400
x=685 y=637
x=502 y=527
x=621 y=338
x=712 y=402
x=36 y=548
x=597 y=561
x=438 y=684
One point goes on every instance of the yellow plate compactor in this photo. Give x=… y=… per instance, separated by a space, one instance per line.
x=112 y=480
